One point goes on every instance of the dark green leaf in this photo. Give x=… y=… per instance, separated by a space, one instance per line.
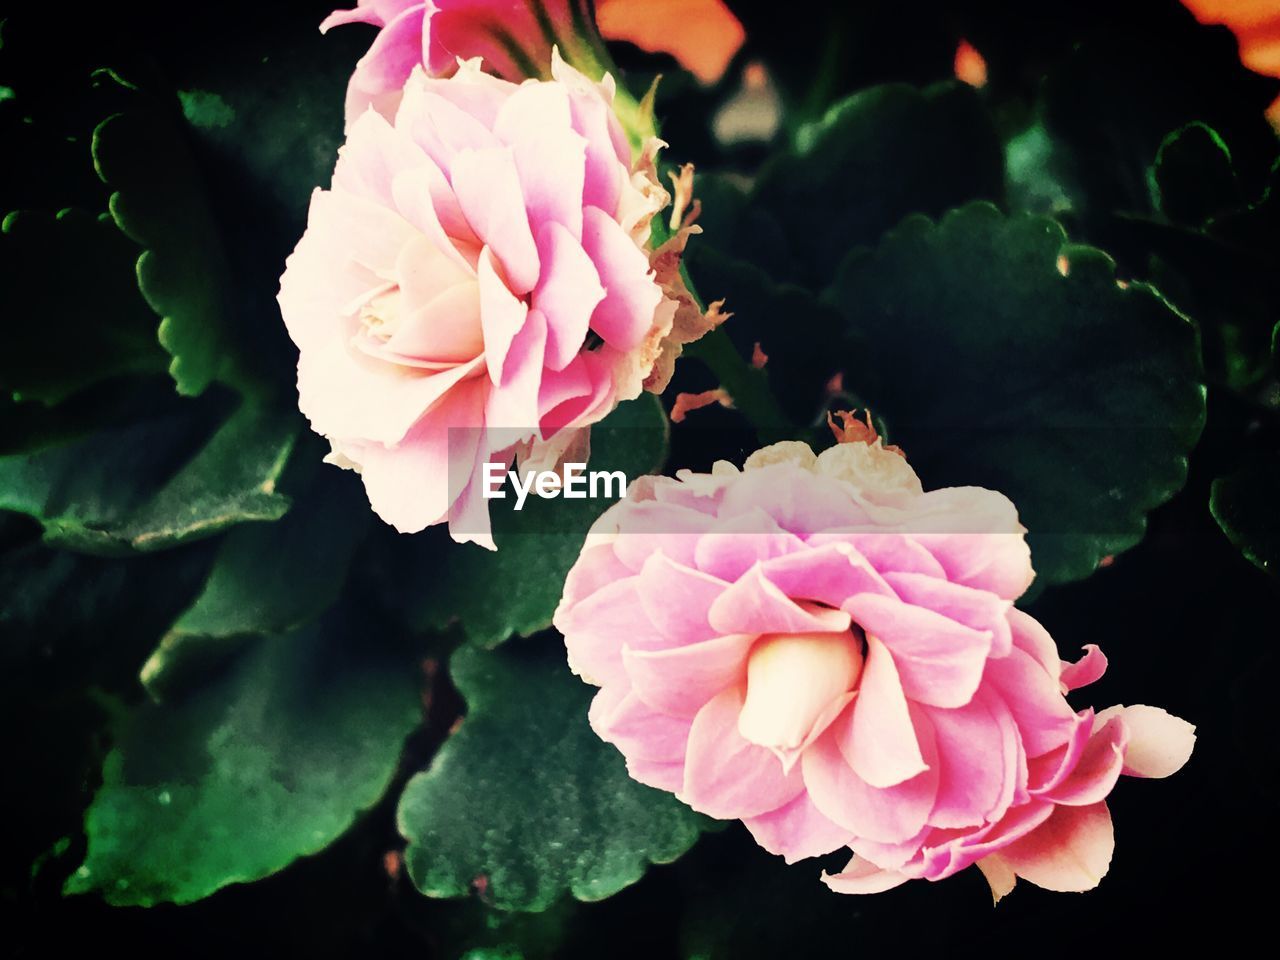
x=160 y=203
x=1246 y=505
x=526 y=797
x=267 y=578
x=139 y=488
x=1194 y=176
x=516 y=589
x=1111 y=103
x=874 y=158
x=268 y=762
x=61 y=336
x=1076 y=396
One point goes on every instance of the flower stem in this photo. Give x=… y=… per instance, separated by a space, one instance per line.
x=747 y=385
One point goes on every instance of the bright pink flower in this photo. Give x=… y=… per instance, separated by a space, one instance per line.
x=479 y=263
x=818 y=647
x=515 y=37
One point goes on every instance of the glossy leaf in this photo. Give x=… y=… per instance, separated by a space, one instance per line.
x=141 y=487
x=1246 y=505
x=872 y=159
x=160 y=203
x=526 y=800
x=266 y=578
x=267 y=762
x=70 y=306
x=1076 y=396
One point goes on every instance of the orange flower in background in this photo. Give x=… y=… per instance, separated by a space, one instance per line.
x=1256 y=24
x=703 y=35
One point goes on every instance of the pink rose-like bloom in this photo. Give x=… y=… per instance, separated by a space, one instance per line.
x=480 y=262
x=511 y=36
x=820 y=648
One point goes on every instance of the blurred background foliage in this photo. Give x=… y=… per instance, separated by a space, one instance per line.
x=218 y=668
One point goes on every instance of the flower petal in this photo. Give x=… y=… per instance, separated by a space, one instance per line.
x=727 y=777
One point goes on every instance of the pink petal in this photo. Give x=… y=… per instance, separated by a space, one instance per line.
x=513 y=404
x=879 y=740
x=886 y=552
x=977 y=758
x=1069 y=852
x=1098 y=768
x=999 y=876
x=940 y=661
x=488 y=190
x=889 y=816
x=625 y=315
x=638 y=730
x=1159 y=742
x=1044 y=719
x=596 y=630
x=567 y=292
x=863 y=876
x=679 y=681
x=754 y=605
x=597 y=567
x=550 y=156
x=739 y=542
x=387 y=65
x=829 y=574
x=502 y=315
x=678 y=599
x=409 y=484
x=798 y=500
x=605 y=170
x=797 y=830
x=424 y=198
x=979 y=609
x=653 y=526
x=373 y=155
x=448 y=134
x=727 y=777
x=1048 y=770
x=1032 y=638
x=1086 y=670
x=346 y=393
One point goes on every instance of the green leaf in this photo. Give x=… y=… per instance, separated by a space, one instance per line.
x=183 y=274
x=61 y=336
x=874 y=158
x=1110 y=104
x=526 y=796
x=515 y=590
x=1076 y=396
x=1220 y=272
x=266 y=578
x=266 y=763
x=1246 y=505
x=139 y=488
x=1194 y=175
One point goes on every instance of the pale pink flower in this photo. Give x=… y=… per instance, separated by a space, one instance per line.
x=480 y=262
x=515 y=37
x=820 y=648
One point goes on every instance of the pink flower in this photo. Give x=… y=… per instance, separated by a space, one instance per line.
x=479 y=263
x=514 y=38
x=818 y=647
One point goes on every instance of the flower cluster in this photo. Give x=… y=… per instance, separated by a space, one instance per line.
x=820 y=648
x=813 y=644
x=480 y=262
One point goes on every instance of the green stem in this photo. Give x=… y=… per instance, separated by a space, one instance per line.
x=747 y=385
